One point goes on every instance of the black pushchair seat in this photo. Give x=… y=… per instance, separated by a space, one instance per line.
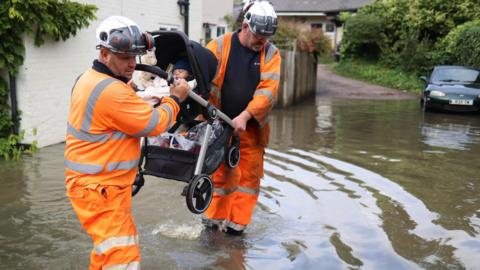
x=165 y=161
x=213 y=141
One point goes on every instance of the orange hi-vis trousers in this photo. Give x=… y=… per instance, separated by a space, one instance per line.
x=105 y=214
x=236 y=190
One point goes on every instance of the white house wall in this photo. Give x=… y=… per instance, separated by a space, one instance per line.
x=214 y=13
x=45 y=80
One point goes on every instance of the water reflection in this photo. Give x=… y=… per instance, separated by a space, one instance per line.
x=431 y=217
x=35 y=214
x=438 y=130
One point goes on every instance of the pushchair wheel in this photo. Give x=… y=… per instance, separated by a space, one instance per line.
x=137 y=185
x=199 y=194
x=233 y=154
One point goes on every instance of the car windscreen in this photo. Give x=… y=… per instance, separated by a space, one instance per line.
x=455 y=75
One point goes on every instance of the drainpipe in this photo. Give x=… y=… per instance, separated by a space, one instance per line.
x=184 y=10
x=13 y=103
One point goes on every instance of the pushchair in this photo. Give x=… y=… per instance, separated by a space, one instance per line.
x=192 y=167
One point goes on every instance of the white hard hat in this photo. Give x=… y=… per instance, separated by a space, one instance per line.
x=247 y=4
x=122 y=35
x=260 y=17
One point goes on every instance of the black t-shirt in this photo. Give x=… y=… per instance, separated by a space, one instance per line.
x=242 y=76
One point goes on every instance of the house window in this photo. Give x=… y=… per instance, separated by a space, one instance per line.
x=208 y=34
x=315 y=26
x=168 y=27
x=329 y=28
x=220 y=30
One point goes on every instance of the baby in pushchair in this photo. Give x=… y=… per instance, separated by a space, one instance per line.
x=202 y=138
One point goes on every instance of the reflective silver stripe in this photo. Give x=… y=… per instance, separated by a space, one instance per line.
x=117 y=135
x=269 y=75
x=85 y=136
x=219 y=50
x=130 y=266
x=252 y=191
x=151 y=124
x=234 y=225
x=262 y=123
x=83 y=133
x=223 y=192
x=270 y=52
x=116 y=241
x=122 y=165
x=83 y=168
x=265 y=92
x=215 y=92
x=89 y=137
x=92 y=100
x=170 y=114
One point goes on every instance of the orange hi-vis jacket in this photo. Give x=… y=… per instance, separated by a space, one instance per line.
x=105 y=124
x=265 y=94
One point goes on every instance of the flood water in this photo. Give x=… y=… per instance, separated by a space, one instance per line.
x=349 y=184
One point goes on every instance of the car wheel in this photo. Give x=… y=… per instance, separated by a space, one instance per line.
x=423 y=104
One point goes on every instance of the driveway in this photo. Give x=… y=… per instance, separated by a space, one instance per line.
x=331 y=85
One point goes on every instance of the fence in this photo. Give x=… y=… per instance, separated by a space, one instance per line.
x=298 y=78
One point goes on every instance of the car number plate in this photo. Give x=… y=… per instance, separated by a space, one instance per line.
x=461 y=102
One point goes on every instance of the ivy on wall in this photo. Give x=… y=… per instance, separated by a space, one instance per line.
x=55 y=19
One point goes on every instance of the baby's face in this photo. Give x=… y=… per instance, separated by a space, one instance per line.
x=180 y=74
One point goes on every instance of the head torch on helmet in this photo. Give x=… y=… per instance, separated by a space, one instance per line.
x=261 y=18
x=121 y=35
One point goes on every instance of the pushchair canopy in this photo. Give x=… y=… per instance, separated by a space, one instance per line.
x=172 y=46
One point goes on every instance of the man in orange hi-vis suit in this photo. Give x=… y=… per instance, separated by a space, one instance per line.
x=105 y=124
x=244 y=88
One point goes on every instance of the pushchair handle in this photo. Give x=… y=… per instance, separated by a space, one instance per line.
x=205 y=104
x=169 y=78
x=157 y=71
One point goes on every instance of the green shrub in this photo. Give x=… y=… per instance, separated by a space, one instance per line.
x=405 y=34
x=5 y=119
x=286 y=36
x=380 y=75
x=461 y=46
x=10 y=147
x=410 y=54
x=56 y=19
x=363 y=37
x=434 y=19
x=314 y=41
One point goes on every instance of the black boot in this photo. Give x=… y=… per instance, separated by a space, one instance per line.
x=233 y=231
x=208 y=224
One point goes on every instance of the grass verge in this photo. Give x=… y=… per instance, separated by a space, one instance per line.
x=377 y=74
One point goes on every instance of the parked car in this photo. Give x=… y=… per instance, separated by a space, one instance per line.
x=452 y=88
